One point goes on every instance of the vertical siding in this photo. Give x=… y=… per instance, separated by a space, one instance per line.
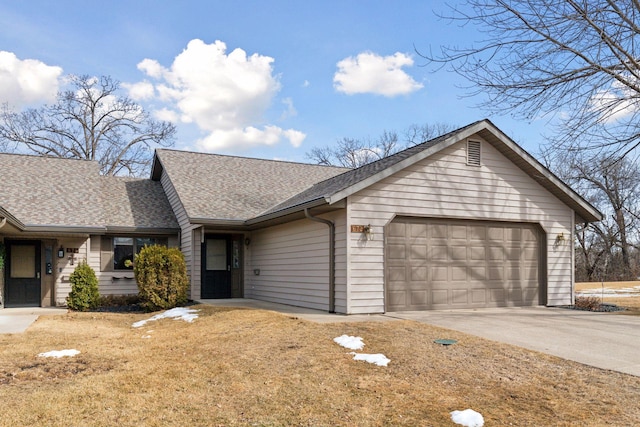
x=444 y=186
x=293 y=260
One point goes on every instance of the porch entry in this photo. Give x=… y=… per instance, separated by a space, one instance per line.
x=22 y=274
x=221 y=266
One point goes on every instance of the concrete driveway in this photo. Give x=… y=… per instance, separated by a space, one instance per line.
x=604 y=340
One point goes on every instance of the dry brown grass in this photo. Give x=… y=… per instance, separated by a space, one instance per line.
x=632 y=303
x=250 y=367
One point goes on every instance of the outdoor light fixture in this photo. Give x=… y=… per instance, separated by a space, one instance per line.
x=247 y=241
x=61 y=252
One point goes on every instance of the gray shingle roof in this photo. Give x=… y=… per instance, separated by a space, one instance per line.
x=340 y=182
x=212 y=186
x=135 y=202
x=51 y=191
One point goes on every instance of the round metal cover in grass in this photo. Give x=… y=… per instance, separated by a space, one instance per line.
x=445 y=342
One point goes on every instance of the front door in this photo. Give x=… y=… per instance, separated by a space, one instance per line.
x=216 y=267
x=22 y=274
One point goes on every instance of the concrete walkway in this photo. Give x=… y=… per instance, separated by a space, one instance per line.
x=17 y=320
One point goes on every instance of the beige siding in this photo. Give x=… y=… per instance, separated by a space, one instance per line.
x=64 y=266
x=444 y=186
x=293 y=260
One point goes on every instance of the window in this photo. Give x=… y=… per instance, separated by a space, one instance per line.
x=125 y=247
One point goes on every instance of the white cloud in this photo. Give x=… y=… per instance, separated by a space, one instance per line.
x=140 y=91
x=372 y=73
x=290 y=109
x=225 y=95
x=166 y=115
x=245 y=138
x=614 y=104
x=27 y=82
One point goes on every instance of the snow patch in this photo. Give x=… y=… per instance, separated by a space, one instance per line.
x=468 y=418
x=352 y=343
x=376 y=359
x=59 y=353
x=178 y=313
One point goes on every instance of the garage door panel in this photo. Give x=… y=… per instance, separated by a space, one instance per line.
x=439 y=274
x=397 y=274
x=459 y=296
x=418 y=252
x=419 y=274
x=419 y=297
x=458 y=273
x=497 y=253
x=397 y=229
x=459 y=253
x=478 y=296
x=418 y=231
x=477 y=253
x=397 y=252
x=439 y=296
x=455 y=264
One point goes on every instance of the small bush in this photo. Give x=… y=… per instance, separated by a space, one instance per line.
x=587 y=303
x=84 y=293
x=161 y=274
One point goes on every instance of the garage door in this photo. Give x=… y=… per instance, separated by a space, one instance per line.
x=442 y=264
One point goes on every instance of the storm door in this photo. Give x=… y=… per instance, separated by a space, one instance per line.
x=216 y=267
x=22 y=274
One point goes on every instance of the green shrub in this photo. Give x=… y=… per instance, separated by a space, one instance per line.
x=84 y=293
x=161 y=274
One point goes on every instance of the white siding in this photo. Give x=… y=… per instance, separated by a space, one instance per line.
x=444 y=186
x=293 y=260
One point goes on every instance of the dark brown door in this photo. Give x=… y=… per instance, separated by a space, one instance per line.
x=22 y=274
x=216 y=267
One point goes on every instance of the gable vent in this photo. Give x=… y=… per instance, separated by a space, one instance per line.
x=473 y=153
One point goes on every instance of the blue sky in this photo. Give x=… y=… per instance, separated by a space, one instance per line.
x=269 y=79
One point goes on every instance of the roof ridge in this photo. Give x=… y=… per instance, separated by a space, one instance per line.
x=233 y=156
x=40 y=156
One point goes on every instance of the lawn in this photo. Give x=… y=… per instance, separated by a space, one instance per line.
x=259 y=368
x=624 y=294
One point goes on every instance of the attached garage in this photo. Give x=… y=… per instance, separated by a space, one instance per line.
x=442 y=264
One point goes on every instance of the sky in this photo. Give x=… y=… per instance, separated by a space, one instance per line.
x=266 y=79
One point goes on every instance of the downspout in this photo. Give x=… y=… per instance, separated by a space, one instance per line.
x=332 y=258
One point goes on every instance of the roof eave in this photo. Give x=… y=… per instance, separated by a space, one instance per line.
x=64 y=229
x=463 y=134
x=291 y=213
x=142 y=230
x=544 y=176
x=10 y=219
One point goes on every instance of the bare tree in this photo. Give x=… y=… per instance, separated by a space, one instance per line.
x=576 y=60
x=614 y=188
x=89 y=121
x=353 y=153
